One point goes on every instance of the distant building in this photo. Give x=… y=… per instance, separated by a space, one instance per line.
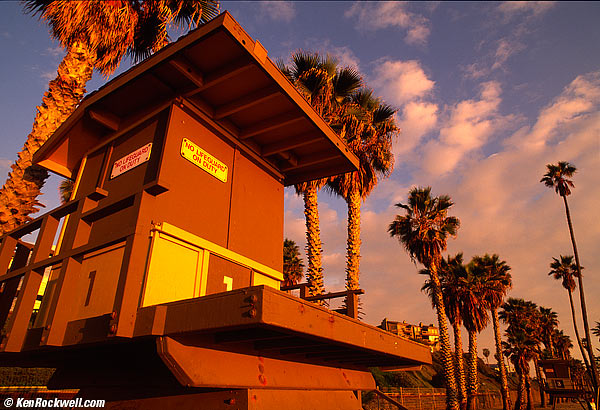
x=426 y=334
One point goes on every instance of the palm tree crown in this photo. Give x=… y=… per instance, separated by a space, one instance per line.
x=566 y=270
x=292 y=264
x=112 y=29
x=557 y=177
x=424 y=230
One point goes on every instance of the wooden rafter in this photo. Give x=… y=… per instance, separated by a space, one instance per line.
x=312 y=160
x=247 y=101
x=290 y=144
x=186 y=68
x=271 y=124
x=105 y=118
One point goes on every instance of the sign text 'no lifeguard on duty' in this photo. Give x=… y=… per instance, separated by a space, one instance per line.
x=204 y=160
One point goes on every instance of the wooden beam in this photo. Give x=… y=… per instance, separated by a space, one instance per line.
x=289 y=157
x=314 y=174
x=221 y=74
x=313 y=160
x=291 y=143
x=247 y=101
x=287 y=118
x=105 y=118
x=227 y=71
x=186 y=68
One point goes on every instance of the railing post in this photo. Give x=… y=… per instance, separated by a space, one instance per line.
x=352 y=304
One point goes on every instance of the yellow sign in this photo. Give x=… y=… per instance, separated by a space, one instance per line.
x=204 y=160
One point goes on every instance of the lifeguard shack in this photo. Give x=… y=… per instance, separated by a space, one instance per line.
x=561 y=383
x=162 y=290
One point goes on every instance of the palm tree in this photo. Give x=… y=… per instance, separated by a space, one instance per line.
x=423 y=231
x=368 y=126
x=96 y=34
x=498 y=283
x=293 y=268
x=557 y=177
x=522 y=343
x=486 y=354
x=548 y=322
x=328 y=89
x=562 y=343
x=474 y=312
x=596 y=330
x=450 y=273
x=565 y=270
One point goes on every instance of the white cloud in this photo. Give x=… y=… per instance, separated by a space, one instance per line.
x=533 y=8
x=344 y=54
x=416 y=120
x=278 y=10
x=5 y=165
x=381 y=15
x=400 y=81
x=580 y=98
x=468 y=127
x=48 y=75
x=55 y=52
x=505 y=49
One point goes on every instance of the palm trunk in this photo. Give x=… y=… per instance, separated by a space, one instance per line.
x=447 y=362
x=551 y=346
x=581 y=349
x=460 y=366
x=538 y=374
x=353 y=242
x=520 y=402
x=314 y=271
x=503 y=372
x=586 y=326
x=472 y=384
x=528 y=389
x=18 y=196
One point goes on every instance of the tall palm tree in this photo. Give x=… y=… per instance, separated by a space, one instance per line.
x=423 y=231
x=557 y=177
x=565 y=270
x=450 y=273
x=497 y=285
x=522 y=318
x=368 y=127
x=328 y=89
x=293 y=268
x=96 y=34
x=474 y=312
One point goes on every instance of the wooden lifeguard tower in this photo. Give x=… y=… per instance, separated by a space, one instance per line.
x=162 y=290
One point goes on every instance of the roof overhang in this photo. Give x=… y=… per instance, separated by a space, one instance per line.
x=229 y=80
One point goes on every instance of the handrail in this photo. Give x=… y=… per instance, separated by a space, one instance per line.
x=351 y=296
x=389 y=399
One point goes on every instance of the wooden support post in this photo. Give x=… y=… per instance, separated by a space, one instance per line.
x=7 y=250
x=352 y=305
x=18 y=322
x=58 y=313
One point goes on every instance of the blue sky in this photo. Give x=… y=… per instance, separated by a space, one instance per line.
x=487 y=94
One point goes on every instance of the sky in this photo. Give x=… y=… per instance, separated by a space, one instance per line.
x=486 y=95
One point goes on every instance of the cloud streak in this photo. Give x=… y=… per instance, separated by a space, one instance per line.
x=382 y=15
